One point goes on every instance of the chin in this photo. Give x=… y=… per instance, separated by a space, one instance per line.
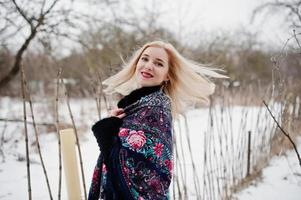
x=147 y=84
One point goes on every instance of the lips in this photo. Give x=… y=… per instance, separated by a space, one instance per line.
x=146 y=75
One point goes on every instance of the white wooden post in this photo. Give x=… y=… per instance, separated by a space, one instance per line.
x=70 y=164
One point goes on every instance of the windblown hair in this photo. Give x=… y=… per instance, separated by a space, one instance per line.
x=188 y=80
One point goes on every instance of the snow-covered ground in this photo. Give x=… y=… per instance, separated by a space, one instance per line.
x=280 y=180
x=214 y=153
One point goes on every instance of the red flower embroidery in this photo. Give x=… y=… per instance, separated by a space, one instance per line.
x=104 y=168
x=140 y=198
x=154 y=183
x=168 y=164
x=95 y=175
x=136 y=139
x=123 y=132
x=158 y=149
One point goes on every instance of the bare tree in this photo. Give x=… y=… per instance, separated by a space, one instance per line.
x=286 y=60
x=40 y=20
x=104 y=45
x=291 y=8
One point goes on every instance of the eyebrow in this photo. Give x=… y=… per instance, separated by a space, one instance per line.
x=156 y=58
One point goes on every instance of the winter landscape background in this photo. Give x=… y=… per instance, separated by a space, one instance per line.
x=53 y=51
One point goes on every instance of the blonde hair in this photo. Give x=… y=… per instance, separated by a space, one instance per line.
x=188 y=80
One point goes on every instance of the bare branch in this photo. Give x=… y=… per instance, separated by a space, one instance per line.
x=23 y=85
x=34 y=31
x=42 y=7
x=18 y=29
x=50 y=8
x=293 y=8
x=283 y=131
x=23 y=14
x=28 y=122
x=77 y=139
x=37 y=139
x=58 y=132
x=295 y=36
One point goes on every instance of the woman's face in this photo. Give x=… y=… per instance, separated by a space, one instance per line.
x=152 y=67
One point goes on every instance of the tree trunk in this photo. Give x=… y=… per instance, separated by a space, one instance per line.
x=18 y=59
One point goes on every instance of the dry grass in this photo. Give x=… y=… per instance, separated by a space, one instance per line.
x=223 y=103
x=280 y=143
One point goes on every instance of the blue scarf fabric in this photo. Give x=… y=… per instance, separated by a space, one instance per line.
x=138 y=163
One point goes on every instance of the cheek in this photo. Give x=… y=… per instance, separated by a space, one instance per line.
x=138 y=67
x=161 y=74
x=164 y=73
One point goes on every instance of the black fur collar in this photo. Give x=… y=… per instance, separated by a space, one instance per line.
x=136 y=95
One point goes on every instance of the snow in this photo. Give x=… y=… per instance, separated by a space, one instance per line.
x=212 y=155
x=280 y=180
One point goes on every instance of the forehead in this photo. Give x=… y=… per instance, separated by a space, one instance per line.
x=156 y=53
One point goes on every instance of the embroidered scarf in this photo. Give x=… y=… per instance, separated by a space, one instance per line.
x=142 y=157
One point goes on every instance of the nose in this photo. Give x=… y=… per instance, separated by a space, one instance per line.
x=148 y=66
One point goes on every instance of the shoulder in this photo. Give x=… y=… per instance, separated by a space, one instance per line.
x=156 y=104
x=158 y=99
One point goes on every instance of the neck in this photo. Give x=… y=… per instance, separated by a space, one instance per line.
x=136 y=95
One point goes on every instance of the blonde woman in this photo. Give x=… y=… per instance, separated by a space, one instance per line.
x=136 y=140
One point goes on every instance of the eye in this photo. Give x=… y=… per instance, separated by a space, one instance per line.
x=159 y=64
x=144 y=59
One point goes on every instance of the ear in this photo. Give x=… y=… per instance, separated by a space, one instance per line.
x=166 y=78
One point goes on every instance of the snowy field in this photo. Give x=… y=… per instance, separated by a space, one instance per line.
x=210 y=156
x=280 y=180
